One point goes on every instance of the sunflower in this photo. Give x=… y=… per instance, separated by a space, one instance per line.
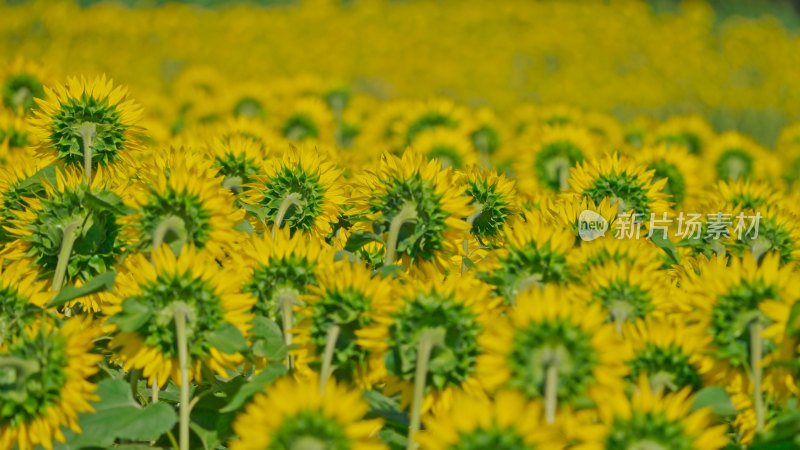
x=627 y=292
x=238 y=160
x=745 y=422
x=456 y=309
x=652 y=419
x=680 y=168
x=45 y=385
x=668 y=351
x=777 y=231
x=417 y=204
x=15 y=136
x=566 y=211
x=280 y=267
x=180 y=200
x=508 y=422
x=15 y=186
x=630 y=185
x=301 y=190
x=449 y=146
x=86 y=121
x=487 y=132
x=422 y=116
x=294 y=414
x=148 y=295
x=638 y=253
x=725 y=296
x=494 y=199
x=74 y=212
x=736 y=156
x=546 y=333
x=305 y=118
x=534 y=255
x=692 y=132
x=346 y=297
x=546 y=162
x=21 y=83
x=21 y=298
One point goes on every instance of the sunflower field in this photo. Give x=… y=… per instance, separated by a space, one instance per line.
x=381 y=224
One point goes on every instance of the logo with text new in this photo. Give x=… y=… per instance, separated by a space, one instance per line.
x=591 y=225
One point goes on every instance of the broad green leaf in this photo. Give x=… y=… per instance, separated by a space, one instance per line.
x=109 y=201
x=100 y=283
x=392 y=271
x=660 y=239
x=717 y=399
x=133 y=315
x=268 y=340
x=360 y=239
x=228 y=339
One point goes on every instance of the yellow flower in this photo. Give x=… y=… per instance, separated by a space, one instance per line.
x=22 y=82
x=294 y=414
x=449 y=146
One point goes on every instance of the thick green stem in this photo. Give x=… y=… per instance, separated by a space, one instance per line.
x=18 y=99
x=407 y=213
x=183 y=361
x=550 y=392
x=425 y=344
x=620 y=312
x=134 y=381
x=293 y=199
x=88 y=131
x=67 y=241
x=170 y=224
x=286 y=303
x=327 y=357
x=155 y=389
x=756 y=350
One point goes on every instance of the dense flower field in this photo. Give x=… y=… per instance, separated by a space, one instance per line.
x=203 y=259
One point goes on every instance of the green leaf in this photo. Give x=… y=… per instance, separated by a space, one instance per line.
x=117 y=415
x=228 y=339
x=244 y=226
x=133 y=315
x=386 y=408
x=261 y=213
x=392 y=271
x=268 y=341
x=660 y=239
x=360 y=239
x=257 y=384
x=107 y=201
x=717 y=399
x=100 y=283
x=47 y=174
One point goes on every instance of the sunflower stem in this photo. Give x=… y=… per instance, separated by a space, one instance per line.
x=287 y=302
x=88 y=131
x=134 y=381
x=67 y=241
x=551 y=361
x=155 y=389
x=183 y=350
x=170 y=224
x=327 y=357
x=407 y=213
x=290 y=200
x=756 y=350
x=427 y=340
x=18 y=99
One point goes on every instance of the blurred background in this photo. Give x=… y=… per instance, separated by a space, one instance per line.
x=734 y=62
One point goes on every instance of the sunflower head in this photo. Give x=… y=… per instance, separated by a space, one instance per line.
x=301 y=190
x=692 y=132
x=450 y=146
x=21 y=298
x=736 y=156
x=87 y=117
x=23 y=82
x=306 y=118
x=294 y=414
x=555 y=151
x=238 y=159
x=675 y=164
x=15 y=135
x=149 y=295
x=494 y=198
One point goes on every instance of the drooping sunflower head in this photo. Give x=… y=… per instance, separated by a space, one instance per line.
x=420 y=200
x=771 y=229
x=675 y=164
x=547 y=329
x=692 y=132
x=726 y=295
x=744 y=194
x=302 y=191
x=626 y=291
x=21 y=298
x=667 y=351
x=507 y=422
x=424 y=116
x=546 y=162
x=306 y=118
x=450 y=146
x=69 y=210
x=534 y=255
x=23 y=81
x=238 y=159
x=487 y=132
x=494 y=199
x=280 y=267
x=87 y=118
x=735 y=156
x=294 y=414
x=345 y=296
x=17 y=182
x=148 y=297
x=623 y=182
x=449 y=314
x=180 y=200
x=44 y=381
x=651 y=419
